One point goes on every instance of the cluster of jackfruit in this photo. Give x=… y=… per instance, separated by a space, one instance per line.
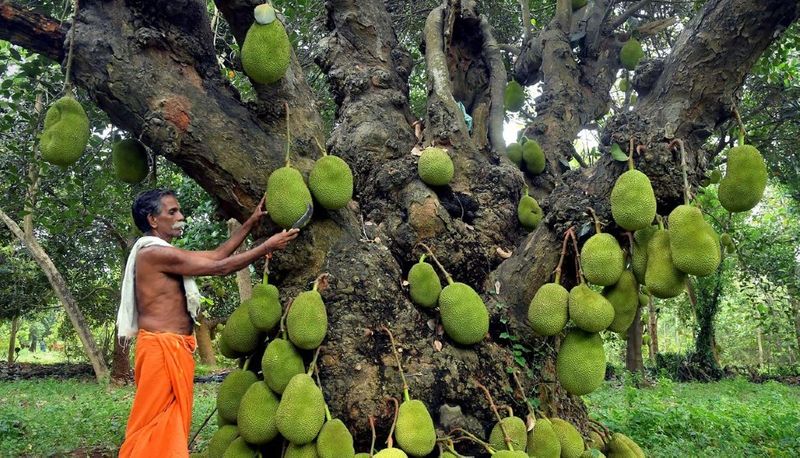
x=617 y=445
x=528 y=154
x=266 y=51
x=435 y=168
x=514 y=96
x=66 y=132
x=631 y=53
x=129 y=159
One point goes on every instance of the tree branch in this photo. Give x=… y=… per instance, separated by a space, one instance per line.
x=618 y=21
x=33 y=31
x=497 y=82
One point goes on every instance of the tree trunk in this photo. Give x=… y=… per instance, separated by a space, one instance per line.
x=652 y=328
x=796 y=306
x=205 y=345
x=706 y=304
x=12 y=340
x=120 y=361
x=62 y=291
x=760 y=347
x=243 y=279
x=633 y=357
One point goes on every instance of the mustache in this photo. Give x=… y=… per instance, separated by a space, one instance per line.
x=179 y=225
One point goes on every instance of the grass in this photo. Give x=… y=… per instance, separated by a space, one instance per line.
x=728 y=418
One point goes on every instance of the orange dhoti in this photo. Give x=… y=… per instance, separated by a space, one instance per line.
x=162 y=408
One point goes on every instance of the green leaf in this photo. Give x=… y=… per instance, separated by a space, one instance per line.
x=618 y=154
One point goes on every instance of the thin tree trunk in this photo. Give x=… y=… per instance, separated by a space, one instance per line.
x=12 y=340
x=760 y=348
x=633 y=360
x=204 y=345
x=796 y=305
x=120 y=362
x=652 y=328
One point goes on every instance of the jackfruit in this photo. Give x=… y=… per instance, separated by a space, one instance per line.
x=435 y=167
x=529 y=212
x=222 y=422
x=547 y=311
x=220 y=441
x=301 y=451
x=231 y=391
x=226 y=350
x=569 y=437
x=266 y=51
x=662 y=278
x=578 y=4
x=129 y=159
x=445 y=454
x=517 y=432
x=414 y=432
x=423 y=284
x=256 y=417
x=533 y=156
x=580 y=364
x=331 y=182
x=239 y=449
x=239 y=333
x=715 y=177
x=363 y=455
x=265 y=307
x=745 y=179
x=335 y=440
x=624 y=296
x=725 y=240
x=514 y=96
x=302 y=410
x=602 y=260
x=514 y=151
x=596 y=441
x=693 y=242
x=66 y=132
x=281 y=362
x=543 y=441
x=307 y=320
x=510 y=454
x=589 y=310
x=592 y=453
x=641 y=239
x=621 y=446
x=464 y=315
x=391 y=453
x=633 y=202
x=631 y=53
x=287 y=196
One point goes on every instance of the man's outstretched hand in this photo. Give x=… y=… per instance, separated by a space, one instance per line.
x=281 y=239
x=258 y=213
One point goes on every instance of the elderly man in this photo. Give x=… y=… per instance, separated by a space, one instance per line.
x=159 y=304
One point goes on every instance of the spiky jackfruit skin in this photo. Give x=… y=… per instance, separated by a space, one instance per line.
x=621 y=446
x=239 y=333
x=692 y=241
x=569 y=437
x=596 y=441
x=331 y=182
x=231 y=391
x=543 y=441
x=223 y=422
x=624 y=297
x=281 y=362
x=514 y=152
x=424 y=285
x=529 y=212
x=391 y=453
x=335 y=440
x=256 y=416
x=631 y=53
x=363 y=455
x=602 y=260
x=547 y=312
x=581 y=363
x=444 y=454
x=287 y=196
x=265 y=308
x=510 y=454
x=589 y=310
x=302 y=410
x=514 y=96
x=226 y=350
x=129 y=159
x=633 y=202
x=301 y=451
x=220 y=441
x=307 y=320
x=592 y=453
x=414 y=432
x=239 y=449
x=662 y=278
x=266 y=52
x=464 y=315
x=745 y=179
x=641 y=239
x=66 y=132
x=435 y=167
x=533 y=156
x=517 y=432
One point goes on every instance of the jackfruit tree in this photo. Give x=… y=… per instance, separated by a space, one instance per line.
x=159 y=75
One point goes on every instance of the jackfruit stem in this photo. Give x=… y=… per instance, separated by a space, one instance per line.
x=327 y=411
x=441 y=267
x=374 y=436
x=630 y=157
x=288 y=133
x=563 y=254
x=742 y=131
x=506 y=436
x=283 y=320
x=660 y=220
x=597 y=225
x=422 y=258
x=321 y=148
x=687 y=196
x=522 y=393
x=399 y=364
x=313 y=366
x=67 y=80
x=389 y=440
x=472 y=437
x=577 y=258
x=265 y=275
x=629 y=253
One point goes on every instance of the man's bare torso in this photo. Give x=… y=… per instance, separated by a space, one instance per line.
x=160 y=298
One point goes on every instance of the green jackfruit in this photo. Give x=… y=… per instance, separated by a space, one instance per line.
x=633 y=202
x=445 y=454
x=66 y=132
x=662 y=278
x=592 y=453
x=692 y=241
x=510 y=454
x=715 y=177
x=281 y=362
x=725 y=240
x=514 y=151
x=239 y=449
x=589 y=310
x=287 y=196
x=631 y=53
x=624 y=296
x=221 y=440
x=266 y=52
x=363 y=455
x=464 y=315
x=423 y=284
x=547 y=311
x=596 y=441
x=335 y=440
x=390 y=453
x=514 y=96
x=256 y=417
x=231 y=391
x=644 y=300
x=331 y=182
x=226 y=350
x=569 y=437
x=543 y=441
x=301 y=451
x=602 y=260
x=414 y=432
x=641 y=239
x=129 y=159
x=517 y=432
x=307 y=320
x=580 y=364
x=239 y=333
x=223 y=422
x=529 y=212
x=745 y=179
x=301 y=411
x=435 y=166
x=624 y=85
x=578 y=4
x=621 y=446
x=533 y=156
x=265 y=307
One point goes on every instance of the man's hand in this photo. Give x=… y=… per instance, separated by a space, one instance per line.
x=258 y=213
x=281 y=239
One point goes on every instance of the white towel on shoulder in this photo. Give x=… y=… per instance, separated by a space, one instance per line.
x=128 y=316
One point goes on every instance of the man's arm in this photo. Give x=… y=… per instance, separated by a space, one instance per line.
x=229 y=246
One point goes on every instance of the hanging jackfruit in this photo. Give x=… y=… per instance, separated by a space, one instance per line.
x=66 y=132
x=581 y=364
x=256 y=416
x=571 y=440
x=287 y=196
x=220 y=441
x=301 y=411
x=331 y=182
x=602 y=260
x=307 y=320
x=281 y=362
x=631 y=53
x=435 y=167
x=662 y=278
x=543 y=441
x=415 y=432
x=239 y=448
x=335 y=440
x=301 y=451
x=633 y=202
x=266 y=51
x=231 y=391
x=547 y=312
x=517 y=432
x=129 y=159
x=239 y=333
x=533 y=156
x=624 y=296
x=641 y=239
x=514 y=96
x=529 y=212
x=745 y=179
x=514 y=152
x=693 y=242
x=622 y=446
x=423 y=284
x=464 y=315
x=265 y=307
x=589 y=310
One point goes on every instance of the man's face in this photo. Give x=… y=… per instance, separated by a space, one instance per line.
x=170 y=221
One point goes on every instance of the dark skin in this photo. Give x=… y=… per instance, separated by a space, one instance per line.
x=160 y=299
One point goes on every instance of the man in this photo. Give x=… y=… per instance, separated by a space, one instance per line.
x=159 y=303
